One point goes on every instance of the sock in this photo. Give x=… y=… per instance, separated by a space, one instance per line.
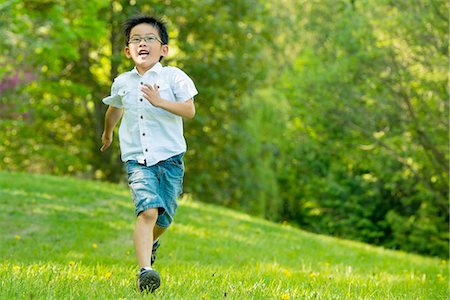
x=146 y=268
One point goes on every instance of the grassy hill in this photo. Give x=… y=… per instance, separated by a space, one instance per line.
x=65 y=238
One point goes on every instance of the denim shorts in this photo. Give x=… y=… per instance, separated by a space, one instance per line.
x=157 y=186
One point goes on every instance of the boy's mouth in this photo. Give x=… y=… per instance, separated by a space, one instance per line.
x=143 y=53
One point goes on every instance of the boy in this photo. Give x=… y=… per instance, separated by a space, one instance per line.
x=152 y=99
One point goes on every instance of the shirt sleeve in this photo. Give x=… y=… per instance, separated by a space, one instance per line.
x=114 y=99
x=182 y=86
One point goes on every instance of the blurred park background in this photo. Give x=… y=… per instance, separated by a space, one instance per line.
x=329 y=114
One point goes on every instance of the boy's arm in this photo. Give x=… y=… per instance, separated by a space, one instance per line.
x=184 y=109
x=112 y=116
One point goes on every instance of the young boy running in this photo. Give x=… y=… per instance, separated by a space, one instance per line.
x=151 y=100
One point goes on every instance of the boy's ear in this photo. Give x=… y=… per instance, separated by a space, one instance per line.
x=126 y=50
x=164 y=50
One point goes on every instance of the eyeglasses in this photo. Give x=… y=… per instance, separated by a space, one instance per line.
x=148 y=39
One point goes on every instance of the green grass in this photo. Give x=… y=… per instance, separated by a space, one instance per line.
x=65 y=238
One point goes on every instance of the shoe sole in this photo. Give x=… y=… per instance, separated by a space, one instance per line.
x=149 y=281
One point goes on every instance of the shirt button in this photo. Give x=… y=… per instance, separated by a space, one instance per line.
x=142 y=117
x=143 y=134
x=146 y=150
x=141 y=99
x=142 y=83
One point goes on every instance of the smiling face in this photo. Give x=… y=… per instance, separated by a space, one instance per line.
x=144 y=48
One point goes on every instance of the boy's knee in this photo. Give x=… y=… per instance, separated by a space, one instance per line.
x=149 y=215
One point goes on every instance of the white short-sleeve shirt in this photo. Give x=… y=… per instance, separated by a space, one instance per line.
x=148 y=133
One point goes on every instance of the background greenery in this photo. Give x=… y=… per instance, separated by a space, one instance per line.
x=332 y=115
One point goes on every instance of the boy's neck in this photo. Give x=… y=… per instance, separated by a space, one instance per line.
x=142 y=71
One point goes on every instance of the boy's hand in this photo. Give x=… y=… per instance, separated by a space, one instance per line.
x=151 y=93
x=106 y=141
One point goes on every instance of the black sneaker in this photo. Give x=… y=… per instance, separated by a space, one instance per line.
x=154 y=248
x=148 y=280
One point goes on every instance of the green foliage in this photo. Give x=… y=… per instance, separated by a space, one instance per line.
x=379 y=162
x=330 y=116
x=220 y=45
x=49 y=44
x=261 y=136
x=65 y=238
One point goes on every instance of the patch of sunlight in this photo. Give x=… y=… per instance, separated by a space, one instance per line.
x=101 y=70
x=368 y=177
x=45 y=209
x=378 y=134
x=16 y=192
x=110 y=189
x=189 y=229
x=226 y=212
x=214 y=209
x=367 y=147
x=74 y=255
x=58 y=207
x=340 y=272
x=127 y=204
x=117 y=7
x=90 y=105
x=278 y=269
x=99 y=174
x=228 y=235
x=43 y=30
x=39 y=211
x=391 y=278
x=119 y=225
x=71 y=269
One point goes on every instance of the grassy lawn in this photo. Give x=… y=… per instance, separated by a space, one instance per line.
x=65 y=238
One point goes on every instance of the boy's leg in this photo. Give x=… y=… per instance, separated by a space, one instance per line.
x=158 y=231
x=143 y=236
x=148 y=279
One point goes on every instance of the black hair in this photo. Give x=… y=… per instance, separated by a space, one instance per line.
x=158 y=23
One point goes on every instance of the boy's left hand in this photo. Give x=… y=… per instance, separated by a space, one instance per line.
x=151 y=93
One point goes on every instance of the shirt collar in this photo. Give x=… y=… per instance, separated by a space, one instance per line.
x=155 y=69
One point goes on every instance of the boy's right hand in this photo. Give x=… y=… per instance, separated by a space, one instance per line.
x=106 y=141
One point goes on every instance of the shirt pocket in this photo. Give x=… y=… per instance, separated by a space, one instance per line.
x=166 y=92
x=128 y=96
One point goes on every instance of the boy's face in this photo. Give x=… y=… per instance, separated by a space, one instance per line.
x=145 y=47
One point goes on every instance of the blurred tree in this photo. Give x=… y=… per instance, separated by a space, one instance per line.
x=371 y=125
x=327 y=113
